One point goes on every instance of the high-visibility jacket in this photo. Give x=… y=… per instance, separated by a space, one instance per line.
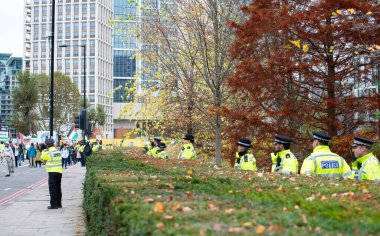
x=323 y=162
x=2 y=146
x=95 y=148
x=53 y=159
x=162 y=155
x=366 y=168
x=187 y=152
x=81 y=148
x=153 y=152
x=284 y=162
x=245 y=162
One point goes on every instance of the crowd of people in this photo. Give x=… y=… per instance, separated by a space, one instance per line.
x=18 y=154
x=322 y=161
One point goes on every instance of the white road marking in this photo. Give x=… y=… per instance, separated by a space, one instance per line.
x=7 y=189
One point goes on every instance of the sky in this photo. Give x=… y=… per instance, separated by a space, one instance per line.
x=12 y=27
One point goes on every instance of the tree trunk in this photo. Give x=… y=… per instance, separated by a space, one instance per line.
x=218 y=141
x=330 y=85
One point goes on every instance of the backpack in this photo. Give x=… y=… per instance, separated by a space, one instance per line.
x=87 y=150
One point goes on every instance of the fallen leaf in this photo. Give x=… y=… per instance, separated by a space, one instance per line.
x=339 y=12
x=148 y=200
x=280 y=188
x=160 y=225
x=159 y=207
x=187 y=177
x=212 y=207
x=168 y=217
x=189 y=172
x=176 y=207
x=351 y=10
x=369 y=13
x=236 y=230
x=260 y=174
x=248 y=224
x=260 y=229
x=187 y=209
x=229 y=211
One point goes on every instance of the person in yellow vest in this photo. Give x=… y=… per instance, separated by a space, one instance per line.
x=366 y=166
x=188 y=150
x=323 y=162
x=81 y=153
x=161 y=153
x=244 y=158
x=53 y=160
x=95 y=147
x=2 y=146
x=283 y=160
x=152 y=151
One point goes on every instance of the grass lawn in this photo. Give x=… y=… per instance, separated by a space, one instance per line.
x=125 y=195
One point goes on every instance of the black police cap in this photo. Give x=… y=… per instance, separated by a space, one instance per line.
x=282 y=139
x=158 y=139
x=359 y=141
x=245 y=142
x=161 y=145
x=321 y=136
x=189 y=137
x=49 y=142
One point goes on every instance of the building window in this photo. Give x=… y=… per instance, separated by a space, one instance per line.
x=59 y=30
x=68 y=12
x=123 y=90
x=92 y=66
x=76 y=12
x=124 y=35
x=44 y=13
x=36 y=13
x=35 y=32
x=124 y=63
x=92 y=11
x=76 y=30
x=60 y=13
x=67 y=66
x=92 y=29
x=84 y=12
x=59 y=64
x=84 y=29
x=92 y=84
x=68 y=30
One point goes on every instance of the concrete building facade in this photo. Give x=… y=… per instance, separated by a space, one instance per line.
x=77 y=23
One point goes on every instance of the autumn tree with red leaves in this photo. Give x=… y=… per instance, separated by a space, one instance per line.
x=299 y=63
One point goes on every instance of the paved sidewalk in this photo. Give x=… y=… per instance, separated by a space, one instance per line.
x=28 y=214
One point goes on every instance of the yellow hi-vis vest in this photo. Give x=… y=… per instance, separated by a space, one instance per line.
x=323 y=162
x=153 y=152
x=95 y=148
x=53 y=160
x=288 y=163
x=366 y=168
x=245 y=162
x=162 y=155
x=187 y=152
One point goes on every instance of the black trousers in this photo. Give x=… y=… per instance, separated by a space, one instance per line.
x=82 y=159
x=55 y=189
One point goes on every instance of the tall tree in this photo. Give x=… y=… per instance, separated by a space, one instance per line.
x=189 y=44
x=299 y=63
x=24 y=99
x=66 y=101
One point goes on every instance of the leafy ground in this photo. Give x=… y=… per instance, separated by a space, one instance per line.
x=141 y=196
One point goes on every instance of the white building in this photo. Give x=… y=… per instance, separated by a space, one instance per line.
x=77 y=22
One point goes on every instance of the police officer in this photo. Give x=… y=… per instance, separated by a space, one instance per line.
x=152 y=150
x=188 y=150
x=244 y=159
x=366 y=166
x=7 y=157
x=53 y=159
x=161 y=153
x=323 y=162
x=95 y=147
x=283 y=159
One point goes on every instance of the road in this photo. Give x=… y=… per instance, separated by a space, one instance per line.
x=21 y=181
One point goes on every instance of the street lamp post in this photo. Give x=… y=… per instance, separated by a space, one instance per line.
x=84 y=71
x=52 y=68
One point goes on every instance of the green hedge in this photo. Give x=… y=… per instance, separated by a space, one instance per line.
x=117 y=187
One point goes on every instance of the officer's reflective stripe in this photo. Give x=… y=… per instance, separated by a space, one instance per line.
x=331 y=175
x=361 y=171
x=309 y=172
